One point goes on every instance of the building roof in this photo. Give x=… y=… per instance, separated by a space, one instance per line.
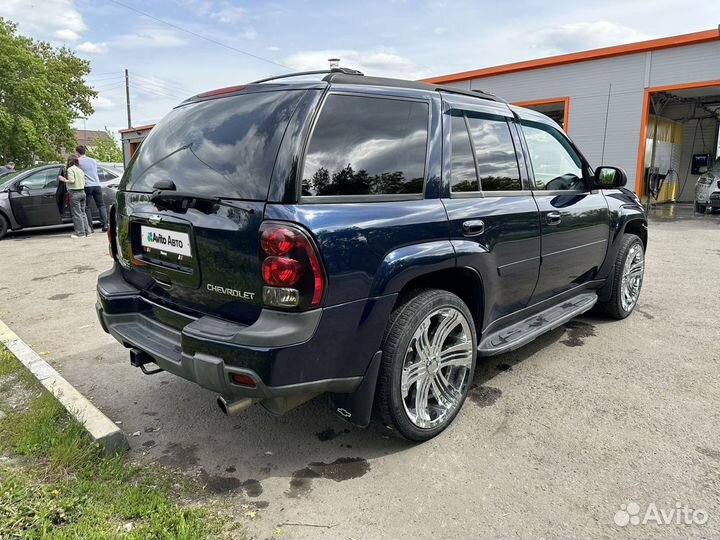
x=88 y=137
x=594 y=54
x=138 y=128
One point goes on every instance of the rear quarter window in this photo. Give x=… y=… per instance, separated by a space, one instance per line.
x=222 y=147
x=367 y=146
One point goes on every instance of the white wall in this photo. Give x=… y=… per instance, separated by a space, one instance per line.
x=587 y=84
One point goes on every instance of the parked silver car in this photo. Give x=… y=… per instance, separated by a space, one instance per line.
x=707 y=189
x=27 y=197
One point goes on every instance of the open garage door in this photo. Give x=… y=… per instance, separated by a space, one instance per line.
x=679 y=140
x=556 y=108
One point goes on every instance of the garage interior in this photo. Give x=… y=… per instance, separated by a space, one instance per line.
x=681 y=140
x=556 y=108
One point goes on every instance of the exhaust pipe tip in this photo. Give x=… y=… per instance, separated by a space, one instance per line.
x=233 y=406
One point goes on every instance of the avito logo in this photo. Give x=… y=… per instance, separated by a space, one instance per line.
x=156 y=238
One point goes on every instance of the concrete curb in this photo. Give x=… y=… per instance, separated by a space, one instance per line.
x=100 y=427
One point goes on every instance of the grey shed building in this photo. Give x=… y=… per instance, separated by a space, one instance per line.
x=652 y=108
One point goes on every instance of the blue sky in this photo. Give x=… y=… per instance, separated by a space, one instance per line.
x=402 y=38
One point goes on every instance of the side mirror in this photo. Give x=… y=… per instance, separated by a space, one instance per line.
x=609 y=177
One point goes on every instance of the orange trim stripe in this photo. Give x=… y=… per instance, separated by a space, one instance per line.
x=565 y=100
x=139 y=128
x=605 y=52
x=644 y=123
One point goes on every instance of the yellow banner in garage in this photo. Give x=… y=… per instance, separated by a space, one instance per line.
x=668 y=138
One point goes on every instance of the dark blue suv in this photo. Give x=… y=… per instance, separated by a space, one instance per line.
x=359 y=237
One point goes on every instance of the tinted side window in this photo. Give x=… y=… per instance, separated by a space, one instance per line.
x=463 y=175
x=367 y=146
x=555 y=164
x=495 y=153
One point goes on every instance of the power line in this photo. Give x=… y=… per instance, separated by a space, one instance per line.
x=155 y=91
x=197 y=35
x=161 y=84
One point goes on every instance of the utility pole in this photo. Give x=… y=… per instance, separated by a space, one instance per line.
x=127 y=97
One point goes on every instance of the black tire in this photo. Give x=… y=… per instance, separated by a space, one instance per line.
x=614 y=306
x=4 y=226
x=403 y=323
x=700 y=208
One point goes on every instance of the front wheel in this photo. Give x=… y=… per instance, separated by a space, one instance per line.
x=428 y=361
x=628 y=273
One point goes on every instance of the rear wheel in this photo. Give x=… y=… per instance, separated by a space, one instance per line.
x=4 y=226
x=699 y=208
x=428 y=361
x=628 y=273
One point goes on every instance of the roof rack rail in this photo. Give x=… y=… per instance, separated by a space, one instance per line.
x=346 y=71
x=474 y=93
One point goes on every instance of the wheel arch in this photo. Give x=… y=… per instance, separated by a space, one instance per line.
x=464 y=282
x=638 y=227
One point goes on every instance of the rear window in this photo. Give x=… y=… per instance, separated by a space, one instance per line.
x=367 y=146
x=221 y=147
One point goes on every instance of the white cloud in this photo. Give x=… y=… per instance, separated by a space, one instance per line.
x=103 y=103
x=46 y=19
x=67 y=35
x=438 y=30
x=273 y=49
x=581 y=36
x=250 y=33
x=380 y=62
x=150 y=37
x=89 y=47
x=229 y=14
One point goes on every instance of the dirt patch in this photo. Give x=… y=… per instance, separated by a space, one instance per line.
x=179 y=456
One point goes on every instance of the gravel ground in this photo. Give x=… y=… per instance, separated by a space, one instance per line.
x=553 y=440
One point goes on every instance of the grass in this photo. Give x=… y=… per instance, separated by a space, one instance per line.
x=55 y=483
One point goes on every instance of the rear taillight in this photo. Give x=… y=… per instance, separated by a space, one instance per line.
x=112 y=231
x=291 y=269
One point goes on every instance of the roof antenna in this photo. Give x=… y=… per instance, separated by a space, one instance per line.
x=334 y=63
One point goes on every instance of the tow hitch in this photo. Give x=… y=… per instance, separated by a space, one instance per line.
x=140 y=359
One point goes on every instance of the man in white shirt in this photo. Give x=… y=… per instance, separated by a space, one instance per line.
x=93 y=189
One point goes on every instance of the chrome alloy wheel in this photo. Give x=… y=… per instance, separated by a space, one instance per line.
x=632 y=277
x=436 y=368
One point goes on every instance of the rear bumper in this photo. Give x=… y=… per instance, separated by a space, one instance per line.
x=286 y=354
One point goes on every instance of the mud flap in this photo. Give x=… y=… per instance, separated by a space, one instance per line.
x=356 y=408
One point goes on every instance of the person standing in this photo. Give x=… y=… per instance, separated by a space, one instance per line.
x=93 y=189
x=8 y=167
x=74 y=177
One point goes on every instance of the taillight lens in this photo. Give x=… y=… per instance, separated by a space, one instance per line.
x=291 y=268
x=281 y=271
x=112 y=231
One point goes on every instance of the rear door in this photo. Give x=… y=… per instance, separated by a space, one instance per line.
x=34 y=203
x=197 y=245
x=574 y=220
x=493 y=216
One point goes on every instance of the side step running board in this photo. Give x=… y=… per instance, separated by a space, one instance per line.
x=523 y=332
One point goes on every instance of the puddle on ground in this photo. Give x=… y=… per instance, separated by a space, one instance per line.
x=484 y=396
x=576 y=332
x=217 y=483
x=252 y=487
x=329 y=434
x=339 y=470
x=179 y=456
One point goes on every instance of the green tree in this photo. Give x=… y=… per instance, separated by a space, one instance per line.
x=106 y=149
x=42 y=92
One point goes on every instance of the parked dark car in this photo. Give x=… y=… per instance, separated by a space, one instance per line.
x=361 y=237
x=27 y=197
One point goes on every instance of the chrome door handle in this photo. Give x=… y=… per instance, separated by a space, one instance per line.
x=553 y=218
x=474 y=227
